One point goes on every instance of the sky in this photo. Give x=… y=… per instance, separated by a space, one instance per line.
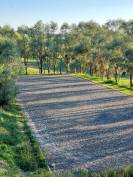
x=28 y=12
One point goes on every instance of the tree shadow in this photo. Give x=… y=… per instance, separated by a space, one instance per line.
x=91 y=127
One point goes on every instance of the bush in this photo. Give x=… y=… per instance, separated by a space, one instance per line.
x=7 y=88
x=109 y=82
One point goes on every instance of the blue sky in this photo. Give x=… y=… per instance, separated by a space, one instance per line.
x=18 y=12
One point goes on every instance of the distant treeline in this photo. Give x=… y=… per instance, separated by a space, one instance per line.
x=103 y=50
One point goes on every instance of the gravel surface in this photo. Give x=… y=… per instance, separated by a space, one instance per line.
x=79 y=124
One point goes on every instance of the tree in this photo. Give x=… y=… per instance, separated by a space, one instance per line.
x=54 y=43
x=24 y=42
x=129 y=64
x=8 y=51
x=8 y=54
x=7 y=31
x=38 y=44
x=101 y=50
x=65 y=44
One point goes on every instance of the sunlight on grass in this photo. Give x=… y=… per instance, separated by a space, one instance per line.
x=12 y=115
x=122 y=86
x=35 y=71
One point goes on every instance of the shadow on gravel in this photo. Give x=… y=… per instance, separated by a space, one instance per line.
x=79 y=123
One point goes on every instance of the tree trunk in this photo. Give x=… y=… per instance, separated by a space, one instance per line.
x=44 y=69
x=48 y=65
x=107 y=74
x=60 y=69
x=48 y=68
x=25 y=63
x=54 y=68
x=131 y=79
x=80 y=68
x=91 y=70
x=41 y=65
x=116 y=76
x=66 y=68
x=26 y=69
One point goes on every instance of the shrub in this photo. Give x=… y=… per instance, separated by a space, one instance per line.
x=7 y=88
x=109 y=82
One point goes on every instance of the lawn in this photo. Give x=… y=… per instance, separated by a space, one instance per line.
x=122 y=86
x=35 y=71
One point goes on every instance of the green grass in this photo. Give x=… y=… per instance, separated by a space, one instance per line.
x=19 y=151
x=35 y=71
x=122 y=86
x=125 y=172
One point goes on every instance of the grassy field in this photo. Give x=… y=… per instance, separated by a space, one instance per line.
x=122 y=86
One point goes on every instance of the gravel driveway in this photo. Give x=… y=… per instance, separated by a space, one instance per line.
x=79 y=124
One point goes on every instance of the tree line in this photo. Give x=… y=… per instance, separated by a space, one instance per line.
x=102 y=50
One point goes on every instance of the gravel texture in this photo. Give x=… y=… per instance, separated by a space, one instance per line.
x=79 y=124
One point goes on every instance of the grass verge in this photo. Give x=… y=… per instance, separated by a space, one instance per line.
x=35 y=71
x=19 y=151
x=122 y=86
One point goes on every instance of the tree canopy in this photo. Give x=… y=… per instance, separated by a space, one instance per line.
x=104 y=50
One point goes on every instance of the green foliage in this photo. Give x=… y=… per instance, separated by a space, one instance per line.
x=7 y=88
x=24 y=157
x=109 y=82
x=6 y=153
x=101 y=50
x=8 y=50
x=10 y=172
x=18 y=147
x=8 y=53
x=129 y=55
